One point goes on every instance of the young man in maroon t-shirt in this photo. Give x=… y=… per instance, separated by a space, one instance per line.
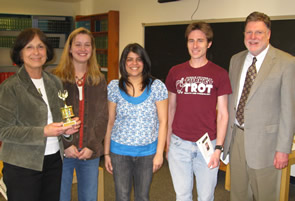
x=197 y=88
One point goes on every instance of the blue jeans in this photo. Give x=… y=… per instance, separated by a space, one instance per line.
x=185 y=160
x=87 y=178
x=127 y=169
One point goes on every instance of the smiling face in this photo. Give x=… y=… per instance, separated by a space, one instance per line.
x=197 y=45
x=34 y=54
x=256 y=37
x=134 y=65
x=81 y=48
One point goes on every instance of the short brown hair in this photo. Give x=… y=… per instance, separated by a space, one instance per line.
x=257 y=16
x=202 y=26
x=23 y=39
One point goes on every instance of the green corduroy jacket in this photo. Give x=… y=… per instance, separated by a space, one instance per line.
x=23 y=115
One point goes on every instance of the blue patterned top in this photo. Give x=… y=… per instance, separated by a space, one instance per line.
x=135 y=131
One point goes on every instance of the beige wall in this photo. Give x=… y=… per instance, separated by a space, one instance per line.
x=135 y=12
x=41 y=7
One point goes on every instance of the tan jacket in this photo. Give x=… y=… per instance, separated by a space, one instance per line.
x=270 y=108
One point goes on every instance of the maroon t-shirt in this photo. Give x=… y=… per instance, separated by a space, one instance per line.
x=196 y=92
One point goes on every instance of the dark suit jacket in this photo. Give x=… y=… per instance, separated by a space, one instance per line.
x=270 y=109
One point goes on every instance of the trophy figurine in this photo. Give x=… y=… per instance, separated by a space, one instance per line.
x=66 y=111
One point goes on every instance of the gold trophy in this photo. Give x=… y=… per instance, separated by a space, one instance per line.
x=66 y=111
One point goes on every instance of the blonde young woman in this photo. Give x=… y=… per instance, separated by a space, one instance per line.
x=87 y=88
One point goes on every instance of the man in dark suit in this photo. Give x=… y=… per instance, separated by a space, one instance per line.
x=261 y=114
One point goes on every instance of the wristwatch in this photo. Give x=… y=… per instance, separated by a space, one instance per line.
x=220 y=147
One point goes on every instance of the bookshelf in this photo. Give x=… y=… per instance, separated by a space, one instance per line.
x=105 y=29
x=56 y=28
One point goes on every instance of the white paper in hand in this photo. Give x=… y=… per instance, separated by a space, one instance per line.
x=206 y=147
x=226 y=160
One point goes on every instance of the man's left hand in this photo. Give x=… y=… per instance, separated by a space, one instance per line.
x=281 y=160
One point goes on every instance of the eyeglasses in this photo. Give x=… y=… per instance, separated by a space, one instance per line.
x=256 y=33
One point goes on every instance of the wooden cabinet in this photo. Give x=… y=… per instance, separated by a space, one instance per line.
x=105 y=29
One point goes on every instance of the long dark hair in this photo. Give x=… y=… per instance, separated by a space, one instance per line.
x=147 y=78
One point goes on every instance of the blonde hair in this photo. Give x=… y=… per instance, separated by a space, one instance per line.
x=65 y=69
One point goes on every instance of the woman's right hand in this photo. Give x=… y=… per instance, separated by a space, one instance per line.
x=108 y=164
x=72 y=152
x=56 y=129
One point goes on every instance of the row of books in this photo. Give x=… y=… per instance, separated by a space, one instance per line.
x=15 y=23
x=101 y=42
x=86 y=24
x=54 y=26
x=101 y=25
x=5 y=75
x=54 y=41
x=49 y=25
x=102 y=59
x=7 y=41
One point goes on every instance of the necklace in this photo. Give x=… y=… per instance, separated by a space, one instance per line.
x=80 y=81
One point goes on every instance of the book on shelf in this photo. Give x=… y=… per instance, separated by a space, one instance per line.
x=86 y=24
x=53 y=41
x=15 y=23
x=101 y=42
x=101 y=25
x=97 y=26
x=53 y=24
x=104 y=25
x=5 y=75
x=7 y=41
x=11 y=24
x=102 y=59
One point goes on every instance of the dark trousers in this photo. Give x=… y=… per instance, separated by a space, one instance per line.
x=30 y=185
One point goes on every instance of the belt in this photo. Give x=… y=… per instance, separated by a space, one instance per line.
x=239 y=127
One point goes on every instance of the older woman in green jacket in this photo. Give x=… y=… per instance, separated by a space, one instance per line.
x=31 y=125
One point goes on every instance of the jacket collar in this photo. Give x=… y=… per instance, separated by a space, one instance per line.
x=26 y=81
x=29 y=85
x=266 y=67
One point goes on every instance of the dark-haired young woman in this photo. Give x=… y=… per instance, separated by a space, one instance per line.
x=137 y=126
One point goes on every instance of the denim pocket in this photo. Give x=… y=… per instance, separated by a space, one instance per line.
x=175 y=140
